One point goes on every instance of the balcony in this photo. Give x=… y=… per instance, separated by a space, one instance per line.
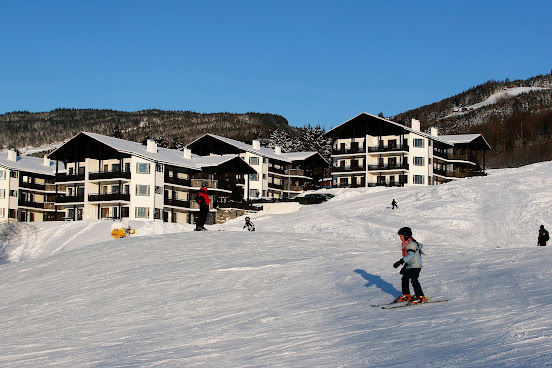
x=24 y=203
x=386 y=184
x=349 y=168
x=388 y=167
x=109 y=197
x=389 y=148
x=32 y=186
x=70 y=199
x=66 y=178
x=103 y=175
x=176 y=202
x=348 y=151
x=178 y=181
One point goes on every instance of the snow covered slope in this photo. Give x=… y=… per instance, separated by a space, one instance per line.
x=297 y=292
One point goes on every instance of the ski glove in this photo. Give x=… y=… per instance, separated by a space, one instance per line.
x=398 y=263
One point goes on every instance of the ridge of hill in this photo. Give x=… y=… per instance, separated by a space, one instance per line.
x=172 y=129
x=514 y=116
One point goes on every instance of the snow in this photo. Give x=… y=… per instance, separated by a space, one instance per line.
x=497 y=97
x=297 y=292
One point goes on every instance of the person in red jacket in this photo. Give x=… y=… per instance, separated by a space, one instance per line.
x=203 y=200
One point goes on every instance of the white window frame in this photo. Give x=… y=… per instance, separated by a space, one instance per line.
x=142 y=168
x=419 y=161
x=2 y=174
x=419 y=179
x=142 y=190
x=254 y=177
x=141 y=212
x=253 y=160
x=419 y=143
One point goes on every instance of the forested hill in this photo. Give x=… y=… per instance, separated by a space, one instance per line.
x=515 y=117
x=169 y=128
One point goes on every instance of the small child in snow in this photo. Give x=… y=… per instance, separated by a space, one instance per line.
x=248 y=224
x=412 y=260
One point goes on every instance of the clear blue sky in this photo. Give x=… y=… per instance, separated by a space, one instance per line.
x=313 y=62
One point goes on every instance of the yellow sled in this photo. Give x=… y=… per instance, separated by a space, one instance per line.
x=118 y=230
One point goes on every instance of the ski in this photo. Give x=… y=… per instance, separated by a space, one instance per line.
x=409 y=304
x=392 y=303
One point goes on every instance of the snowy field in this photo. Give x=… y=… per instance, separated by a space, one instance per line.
x=298 y=291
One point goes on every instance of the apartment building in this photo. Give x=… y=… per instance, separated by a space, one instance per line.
x=372 y=151
x=27 y=188
x=107 y=177
x=277 y=174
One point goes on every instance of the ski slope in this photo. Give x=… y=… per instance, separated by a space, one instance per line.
x=297 y=292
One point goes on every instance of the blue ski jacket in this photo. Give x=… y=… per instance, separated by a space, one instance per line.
x=413 y=258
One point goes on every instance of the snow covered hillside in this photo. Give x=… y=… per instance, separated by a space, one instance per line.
x=298 y=291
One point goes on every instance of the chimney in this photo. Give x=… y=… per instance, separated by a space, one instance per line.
x=187 y=153
x=415 y=124
x=256 y=144
x=46 y=161
x=152 y=146
x=278 y=150
x=434 y=131
x=12 y=155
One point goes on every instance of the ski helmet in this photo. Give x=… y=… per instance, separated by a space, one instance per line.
x=247 y=219
x=406 y=232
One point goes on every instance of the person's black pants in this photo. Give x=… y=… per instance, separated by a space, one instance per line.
x=411 y=275
x=202 y=216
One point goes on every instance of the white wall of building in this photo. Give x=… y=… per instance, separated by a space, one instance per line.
x=4 y=193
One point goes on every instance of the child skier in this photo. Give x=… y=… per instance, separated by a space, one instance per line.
x=248 y=224
x=412 y=260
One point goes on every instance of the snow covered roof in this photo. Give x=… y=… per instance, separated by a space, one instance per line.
x=446 y=139
x=300 y=156
x=464 y=139
x=29 y=164
x=261 y=151
x=210 y=161
x=161 y=155
x=391 y=123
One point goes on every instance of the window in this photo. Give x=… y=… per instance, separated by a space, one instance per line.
x=253 y=193
x=2 y=193
x=143 y=168
x=142 y=212
x=254 y=160
x=14 y=174
x=418 y=179
x=254 y=177
x=115 y=189
x=13 y=193
x=127 y=167
x=157 y=214
x=158 y=189
x=2 y=174
x=419 y=161
x=2 y=212
x=70 y=172
x=418 y=142
x=142 y=190
x=159 y=168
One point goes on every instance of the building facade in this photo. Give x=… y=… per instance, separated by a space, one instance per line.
x=106 y=177
x=372 y=151
x=277 y=175
x=27 y=188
